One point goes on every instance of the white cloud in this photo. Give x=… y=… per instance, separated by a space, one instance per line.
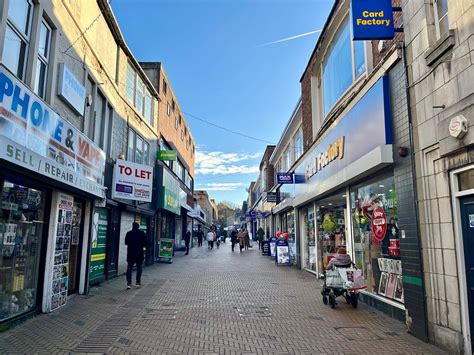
x=213 y=163
x=222 y=186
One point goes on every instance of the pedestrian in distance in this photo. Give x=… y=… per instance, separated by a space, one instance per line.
x=233 y=238
x=210 y=239
x=260 y=236
x=135 y=240
x=187 y=240
x=200 y=235
x=241 y=237
x=247 y=240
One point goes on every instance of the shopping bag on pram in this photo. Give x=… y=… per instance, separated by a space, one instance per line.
x=359 y=281
x=334 y=279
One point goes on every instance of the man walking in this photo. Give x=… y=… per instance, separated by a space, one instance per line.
x=135 y=240
x=233 y=238
x=187 y=240
x=200 y=236
x=260 y=236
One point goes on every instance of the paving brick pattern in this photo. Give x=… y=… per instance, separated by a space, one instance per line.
x=212 y=302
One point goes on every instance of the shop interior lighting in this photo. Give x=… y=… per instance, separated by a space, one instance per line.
x=330 y=204
x=343 y=195
x=381 y=185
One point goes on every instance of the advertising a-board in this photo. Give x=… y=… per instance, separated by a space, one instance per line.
x=98 y=243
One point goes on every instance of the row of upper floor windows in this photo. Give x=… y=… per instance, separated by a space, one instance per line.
x=291 y=153
x=179 y=122
x=178 y=167
x=345 y=62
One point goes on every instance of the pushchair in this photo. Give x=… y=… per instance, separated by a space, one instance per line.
x=342 y=281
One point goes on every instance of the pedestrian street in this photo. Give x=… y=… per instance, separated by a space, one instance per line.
x=212 y=302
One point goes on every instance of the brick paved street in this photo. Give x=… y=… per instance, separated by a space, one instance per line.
x=212 y=302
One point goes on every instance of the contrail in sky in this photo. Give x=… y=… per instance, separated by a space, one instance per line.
x=289 y=38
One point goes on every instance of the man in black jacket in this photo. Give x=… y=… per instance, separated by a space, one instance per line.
x=135 y=240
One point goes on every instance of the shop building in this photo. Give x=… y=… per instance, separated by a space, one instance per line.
x=204 y=201
x=438 y=46
x=52 y=169
x=175 y=176
x=265 y=198
x=284 y=157
x=359 y=188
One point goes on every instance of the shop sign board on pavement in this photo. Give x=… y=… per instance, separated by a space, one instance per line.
x=166 y=155
x=285 y=178
x=132 y=181
x=282 y=253
x=45 y=142
x=166 y=249
x=265 y=247
x=272 y=243
x=98 y=244
x=372 y=20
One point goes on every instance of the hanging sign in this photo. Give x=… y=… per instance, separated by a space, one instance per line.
x=372 y=19
x=379 y=224
x=285 y=178
x=166 y=155
x=132 y=181
x=71 y=90
x=272 y=197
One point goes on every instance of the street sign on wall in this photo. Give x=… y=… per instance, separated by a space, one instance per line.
x=372 y=19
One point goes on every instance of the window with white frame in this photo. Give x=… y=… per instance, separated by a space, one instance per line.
x=287 y=157
x=182 y=134
x=441 y=17
x=130 y=82
x=43 y=59
x=298 y=144
x=168 y=108
x=17 y=36
x=343 y=64
x=139 y=95
x=148 y=108
x=138 y=149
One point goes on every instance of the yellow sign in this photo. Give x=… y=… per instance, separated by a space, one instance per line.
x=97 y=257
x=334 y=151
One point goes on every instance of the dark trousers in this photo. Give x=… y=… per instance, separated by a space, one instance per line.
x=233 y=245
x=129 y=272
x=187 y=249
x=199 y=242
x=211 y=244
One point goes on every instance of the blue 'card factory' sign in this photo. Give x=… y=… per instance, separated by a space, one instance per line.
x=372 y=19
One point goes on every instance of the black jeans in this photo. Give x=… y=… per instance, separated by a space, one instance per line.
x=187 y=248
x=199 y=242
x=129 y=272
x=233 y=245
x=210 y=244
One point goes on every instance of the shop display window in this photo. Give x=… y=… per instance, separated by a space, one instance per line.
x=376 y=237
x=331 y=227
x=310 y=240
x=288 y=226
x=21 y=228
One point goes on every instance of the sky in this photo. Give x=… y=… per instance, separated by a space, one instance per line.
x=225 y=68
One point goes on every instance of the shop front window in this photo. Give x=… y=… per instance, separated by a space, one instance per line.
x=310 y=244
x=21 y=227
x=376 y=237
x=331 y=227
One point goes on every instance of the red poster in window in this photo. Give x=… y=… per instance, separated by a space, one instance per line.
x=379 y=224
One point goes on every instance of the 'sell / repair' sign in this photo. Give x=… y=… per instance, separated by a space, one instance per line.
x=372 y=19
